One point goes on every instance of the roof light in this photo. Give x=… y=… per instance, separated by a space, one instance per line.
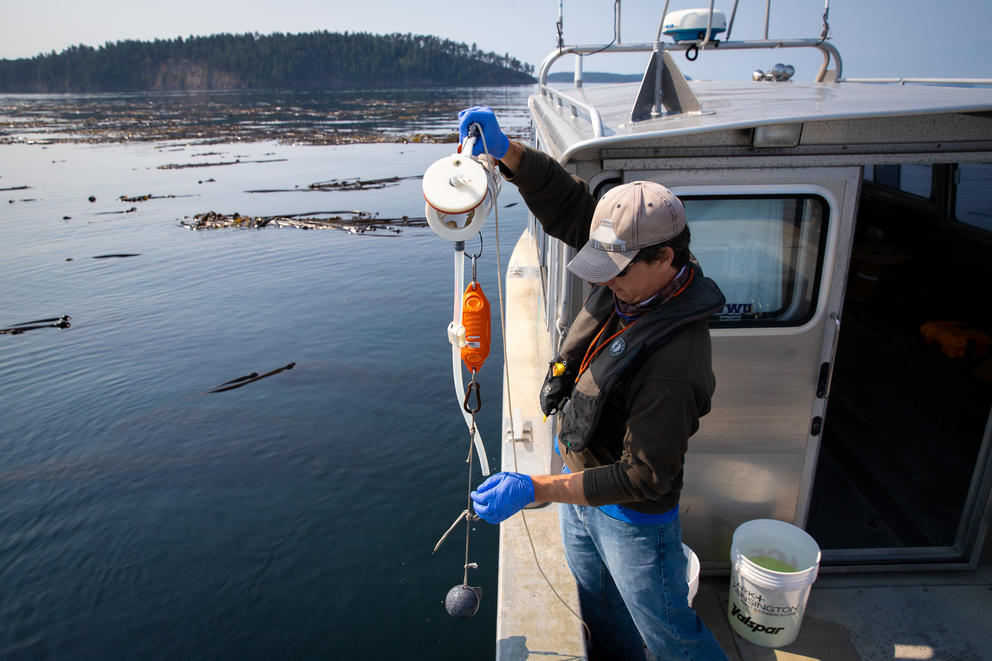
x=777 y=135
x=778 y=73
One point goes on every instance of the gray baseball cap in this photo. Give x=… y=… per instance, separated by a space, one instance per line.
x=629 y=217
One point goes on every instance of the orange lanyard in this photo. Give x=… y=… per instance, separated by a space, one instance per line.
x=591 y=352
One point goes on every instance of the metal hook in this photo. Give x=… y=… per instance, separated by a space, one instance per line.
x=472 y=387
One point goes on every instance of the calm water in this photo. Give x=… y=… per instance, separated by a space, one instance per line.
x=142 y=517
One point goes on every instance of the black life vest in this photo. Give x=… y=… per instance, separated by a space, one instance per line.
x=701 y=299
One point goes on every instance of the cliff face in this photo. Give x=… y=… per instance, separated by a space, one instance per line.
x=189 y=75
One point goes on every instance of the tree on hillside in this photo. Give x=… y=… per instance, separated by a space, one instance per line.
x=302 y=61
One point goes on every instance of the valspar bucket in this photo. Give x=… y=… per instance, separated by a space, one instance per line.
x=773 y=565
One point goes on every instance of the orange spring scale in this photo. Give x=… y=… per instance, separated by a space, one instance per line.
x=477 y=322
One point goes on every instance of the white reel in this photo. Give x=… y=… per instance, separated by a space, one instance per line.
x=459 y=192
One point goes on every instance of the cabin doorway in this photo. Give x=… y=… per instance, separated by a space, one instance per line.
x=904 y=466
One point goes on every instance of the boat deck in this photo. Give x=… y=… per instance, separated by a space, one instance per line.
x=849 y=616
x=938 y=615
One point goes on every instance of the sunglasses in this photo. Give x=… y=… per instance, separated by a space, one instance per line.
x=639 y=257
x=626 y=269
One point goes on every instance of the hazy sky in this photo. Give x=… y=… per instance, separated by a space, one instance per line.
x=875 y=37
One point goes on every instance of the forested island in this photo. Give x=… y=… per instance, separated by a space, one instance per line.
x=315 y=60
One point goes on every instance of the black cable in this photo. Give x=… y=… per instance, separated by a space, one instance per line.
x=613 y=41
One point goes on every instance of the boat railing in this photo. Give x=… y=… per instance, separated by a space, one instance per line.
x=829 y=52
x=574 y=105
x=922 y=81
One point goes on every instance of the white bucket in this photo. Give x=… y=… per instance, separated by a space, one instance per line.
x=767 y=600
x=691 y=572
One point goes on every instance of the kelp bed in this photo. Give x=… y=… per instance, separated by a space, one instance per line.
x=342 y=185
x=182 y=120
x=353 y=222
x=331 y=118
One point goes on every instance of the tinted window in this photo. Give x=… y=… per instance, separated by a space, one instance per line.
x=764 y=253
x=907 y=177
x=973 y=202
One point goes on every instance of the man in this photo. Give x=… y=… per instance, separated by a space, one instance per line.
x=632 y=379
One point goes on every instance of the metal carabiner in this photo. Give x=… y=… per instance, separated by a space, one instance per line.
x=473 y=387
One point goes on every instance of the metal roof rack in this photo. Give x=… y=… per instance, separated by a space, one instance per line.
x=661 y=93
x=575 y=105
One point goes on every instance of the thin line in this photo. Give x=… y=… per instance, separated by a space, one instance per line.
x=509 y=402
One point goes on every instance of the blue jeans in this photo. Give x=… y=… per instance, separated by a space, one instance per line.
x=632 y=586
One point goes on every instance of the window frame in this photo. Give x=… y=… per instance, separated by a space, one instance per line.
x=818 y=195
x=953 y=175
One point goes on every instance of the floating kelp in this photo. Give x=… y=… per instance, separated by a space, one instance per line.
x=182 y=166
x=110 y=256
x=249 y=378
x=353 y=222
x=309 y=119
x=341 y=185
x=211 y=220
x=359 y=184
x=145 y=198
x=54 y=322
x=14 y=188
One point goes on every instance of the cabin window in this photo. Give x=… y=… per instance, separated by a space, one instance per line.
x=972 y=202
x=907 y=177
x=763 y=251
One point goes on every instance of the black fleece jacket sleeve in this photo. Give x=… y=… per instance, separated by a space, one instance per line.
x=558 y=199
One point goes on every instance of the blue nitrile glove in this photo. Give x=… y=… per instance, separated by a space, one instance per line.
x=502 y=496
x=496 y=141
